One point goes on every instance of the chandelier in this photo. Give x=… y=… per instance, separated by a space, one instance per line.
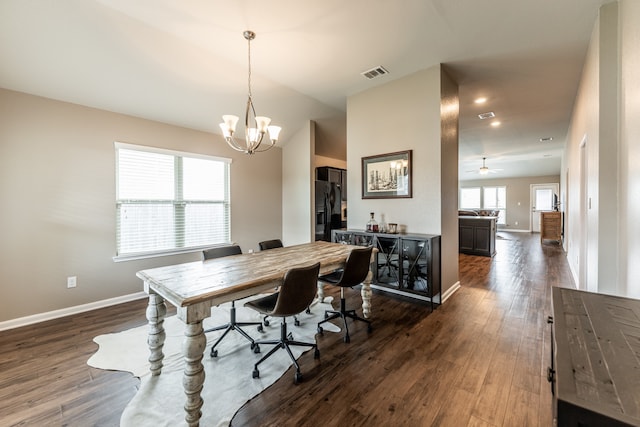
x=255 y=127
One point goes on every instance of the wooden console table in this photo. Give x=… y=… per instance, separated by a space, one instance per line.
x=551 y=226
x=595 y=367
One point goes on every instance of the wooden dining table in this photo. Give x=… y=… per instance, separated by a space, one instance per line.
x=195 y=287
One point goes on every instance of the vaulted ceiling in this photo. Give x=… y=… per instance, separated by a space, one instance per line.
x=185 y=62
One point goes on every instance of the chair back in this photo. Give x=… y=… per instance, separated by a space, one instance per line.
x=221 y=251
x=297 y=291
x=270 y=244
x=356 y=268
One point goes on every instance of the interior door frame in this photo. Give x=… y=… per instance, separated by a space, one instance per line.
x=534 y=217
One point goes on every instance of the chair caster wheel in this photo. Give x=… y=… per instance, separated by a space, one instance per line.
x=266 y=322
x=320 y=330
x=255 y=374
x=290 y=336
x=214 y=353
x=308 y=311
x=296 y=322
x=297 y=378
x=260 y=328
x=347 y=339
x=316 y=354
x=256 y=348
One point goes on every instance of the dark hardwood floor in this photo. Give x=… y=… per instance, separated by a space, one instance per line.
x=478 y=360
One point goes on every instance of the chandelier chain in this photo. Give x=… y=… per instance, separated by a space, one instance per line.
x=249 y=61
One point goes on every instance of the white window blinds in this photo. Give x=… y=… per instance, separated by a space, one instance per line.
x=169 y=201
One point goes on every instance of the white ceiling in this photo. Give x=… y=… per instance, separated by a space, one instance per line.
x=185 y=62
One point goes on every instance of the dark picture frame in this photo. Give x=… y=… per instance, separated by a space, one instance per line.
x=387 y=176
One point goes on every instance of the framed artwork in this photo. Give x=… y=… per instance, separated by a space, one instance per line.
x=387 y=176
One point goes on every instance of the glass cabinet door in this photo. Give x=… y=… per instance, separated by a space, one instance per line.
x=363 y=239
x=387 y=266
x=343 y=237
x=415 y=255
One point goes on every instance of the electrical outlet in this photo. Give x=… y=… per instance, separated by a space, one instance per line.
x=71 y=281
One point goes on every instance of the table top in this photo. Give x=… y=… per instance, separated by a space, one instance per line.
x=228 y=278
x=597 y=343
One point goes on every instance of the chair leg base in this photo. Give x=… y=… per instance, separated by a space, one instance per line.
x=234 y=326
x=285 y=342
x=343 y=314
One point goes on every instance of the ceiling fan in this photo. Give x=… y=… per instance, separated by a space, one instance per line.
x=484 y=170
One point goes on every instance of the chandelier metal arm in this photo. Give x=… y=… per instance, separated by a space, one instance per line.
x=255 y=127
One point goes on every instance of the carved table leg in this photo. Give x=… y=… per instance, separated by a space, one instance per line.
x=156 y=311
x=193 y=380
x=320 y=291
x=366 y=295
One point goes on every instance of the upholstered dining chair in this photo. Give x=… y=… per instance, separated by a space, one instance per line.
x=273 y=244
x=297 y=291
x=270 y=244
x=233 y=325
x=354 y=272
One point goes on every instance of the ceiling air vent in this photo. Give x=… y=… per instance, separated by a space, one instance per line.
x=375 y=72
x=488 y=115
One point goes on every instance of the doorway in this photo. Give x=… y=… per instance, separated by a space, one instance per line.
x=544 y=197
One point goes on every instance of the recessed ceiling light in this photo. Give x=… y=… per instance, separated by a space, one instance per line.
x=488 y=115
x=546 y=139
x=496 y=124
x=480 y=100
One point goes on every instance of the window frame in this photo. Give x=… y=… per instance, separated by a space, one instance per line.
x=178 y=202
x=503 y=210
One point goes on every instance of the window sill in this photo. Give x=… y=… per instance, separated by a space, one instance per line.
x=135 y=257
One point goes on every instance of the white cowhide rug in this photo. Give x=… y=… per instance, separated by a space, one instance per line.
x=228 y=383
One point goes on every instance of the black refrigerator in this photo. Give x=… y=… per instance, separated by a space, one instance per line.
x=328 y=209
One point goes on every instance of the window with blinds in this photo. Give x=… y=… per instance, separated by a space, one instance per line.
x=168 y=201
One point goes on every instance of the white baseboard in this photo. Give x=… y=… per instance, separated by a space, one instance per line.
x=55 y=314
x=450 y=291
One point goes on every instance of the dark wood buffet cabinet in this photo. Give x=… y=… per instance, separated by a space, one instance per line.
x=405 y=264
x=477 y=235
x=595 y=366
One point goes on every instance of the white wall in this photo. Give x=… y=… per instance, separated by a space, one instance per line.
x=404 y=114
x=629 y=14
x=401 y=115
x=602 y=224
x=57 y=183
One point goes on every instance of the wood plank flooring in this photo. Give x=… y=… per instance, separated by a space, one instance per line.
x=478 y=360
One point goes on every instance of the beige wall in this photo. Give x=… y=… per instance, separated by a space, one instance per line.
x=449 y=126
x=518 y=197
x=404 y=114
x=602 y=158
x=298 y=186
x=57 y=184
